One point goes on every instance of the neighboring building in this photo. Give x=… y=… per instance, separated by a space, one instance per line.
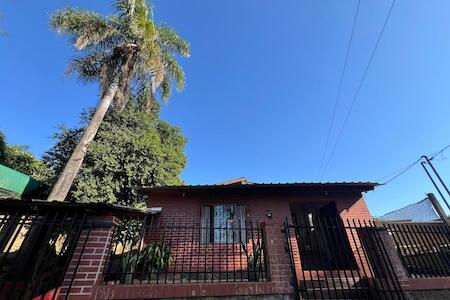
x=14 y=184
x=424 y=211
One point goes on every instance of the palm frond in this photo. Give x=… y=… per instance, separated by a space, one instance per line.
x=174 y=69
x=166 y=87
x=85 y=27
x=171 y=41
x=144 y=92
x=125 y=8
x=127 y=49
x=88 y=67
x=126 y=15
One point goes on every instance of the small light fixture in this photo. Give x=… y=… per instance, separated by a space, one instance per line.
x=269 y=214
x=154 y=210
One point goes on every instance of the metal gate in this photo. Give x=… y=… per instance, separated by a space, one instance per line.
x=424 y=248
x=333 y=259
x=36 y=245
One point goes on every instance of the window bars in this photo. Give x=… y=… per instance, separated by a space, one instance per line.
x=35 y=249
x=145 y=253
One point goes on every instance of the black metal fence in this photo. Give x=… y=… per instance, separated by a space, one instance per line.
x=336 y=259
x=147 y=253
x=423 y=248
x=36 y=246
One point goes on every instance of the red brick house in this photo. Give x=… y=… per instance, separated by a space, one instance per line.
x=234 y=240
x=269 y=203
x=215 y=219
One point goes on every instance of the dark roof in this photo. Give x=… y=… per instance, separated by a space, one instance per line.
x=288 y=186
x=14 y=204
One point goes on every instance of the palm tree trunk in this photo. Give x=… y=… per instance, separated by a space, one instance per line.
x=62 y=186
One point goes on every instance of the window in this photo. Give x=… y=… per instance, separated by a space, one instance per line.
x=222 y=223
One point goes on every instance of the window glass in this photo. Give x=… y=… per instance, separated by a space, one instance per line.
x=222 y=223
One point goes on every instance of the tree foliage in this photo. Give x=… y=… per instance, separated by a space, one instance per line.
x=18 y=157
x=128 y=48
x=2 y=146
x=131 y=149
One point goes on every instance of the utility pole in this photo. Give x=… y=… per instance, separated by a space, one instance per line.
x=428 y=161
x=437 y=206
x=437 y=174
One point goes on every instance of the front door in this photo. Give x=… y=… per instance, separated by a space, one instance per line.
x=321 y=241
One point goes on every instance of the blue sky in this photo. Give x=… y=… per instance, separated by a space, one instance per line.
x=261 y=85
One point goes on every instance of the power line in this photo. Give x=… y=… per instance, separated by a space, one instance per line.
x=359 y=88
x=432 y=156
x=394 y=175
x=401 y=171
x=338 y=95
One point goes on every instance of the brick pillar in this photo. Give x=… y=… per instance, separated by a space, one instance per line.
x=278 y=259
x=87 y=264
x=391 y=251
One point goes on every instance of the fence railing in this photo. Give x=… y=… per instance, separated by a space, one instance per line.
x=424 y=249
x=144 y=253
x=341 y=259
x=35 y=249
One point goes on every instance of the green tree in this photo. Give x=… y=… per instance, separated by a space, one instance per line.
x=18 y=157
x=127 y=53
x=2 y=147
x=132 y=148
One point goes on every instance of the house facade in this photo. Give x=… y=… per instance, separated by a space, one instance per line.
x=243 y=240
x=215 y=229
x=268 y=203
x=234 y=240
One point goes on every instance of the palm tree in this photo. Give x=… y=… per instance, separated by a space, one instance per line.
x=129 y=54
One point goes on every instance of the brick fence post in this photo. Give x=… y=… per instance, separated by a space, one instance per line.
x=392 y=254
x=278 y=258
x=88 y=261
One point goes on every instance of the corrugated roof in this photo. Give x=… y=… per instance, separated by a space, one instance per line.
x=422 y=211
x=356 y=186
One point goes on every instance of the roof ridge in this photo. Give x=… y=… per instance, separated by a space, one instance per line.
x=239 y=180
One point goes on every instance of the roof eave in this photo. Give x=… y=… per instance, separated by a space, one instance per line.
x=352 y=186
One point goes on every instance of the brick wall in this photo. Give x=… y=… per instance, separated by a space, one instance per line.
x=85 y=269
x=189 y=253
x=353 y=208
x=181 y=209
x=186 y=209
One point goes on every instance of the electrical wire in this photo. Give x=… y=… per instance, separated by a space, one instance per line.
x=439 y=152
x=358 y=89
x=398 y=173
x=338 y=95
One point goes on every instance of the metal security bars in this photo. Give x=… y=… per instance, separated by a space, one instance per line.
x=424 y=248
x=36 y=246
x=147 y=253
x=336 y=259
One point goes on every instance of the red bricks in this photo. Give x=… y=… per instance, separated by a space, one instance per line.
x=185 y=209
x=183 y=290
x=182 y=208
x=411 y=284
x=85 y=271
